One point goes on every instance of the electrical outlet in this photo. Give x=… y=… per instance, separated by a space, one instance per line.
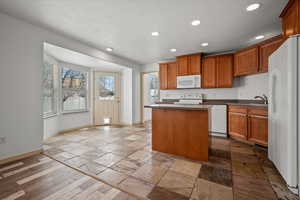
x=2 y=140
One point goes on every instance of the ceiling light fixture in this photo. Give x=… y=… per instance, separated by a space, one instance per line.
x=173 y=50
x=195 y=22
x=259 y=37
x=109 y=49
x=204 y=44
x=155 y=33
x=253 y=7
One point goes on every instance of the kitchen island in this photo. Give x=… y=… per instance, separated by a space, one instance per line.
x=181 y=130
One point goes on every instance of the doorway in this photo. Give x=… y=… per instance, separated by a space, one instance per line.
x=106 y=98
x=150 y=93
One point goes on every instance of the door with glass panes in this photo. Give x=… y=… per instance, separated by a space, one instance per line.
x=107 y=98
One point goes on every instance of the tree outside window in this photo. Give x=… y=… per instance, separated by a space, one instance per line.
x=49 y=89
x=74 y=90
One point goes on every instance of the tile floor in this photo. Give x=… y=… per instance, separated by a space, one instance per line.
x=122 y=157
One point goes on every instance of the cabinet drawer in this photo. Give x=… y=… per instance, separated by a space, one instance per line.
x=258 y=111
x=238 y=109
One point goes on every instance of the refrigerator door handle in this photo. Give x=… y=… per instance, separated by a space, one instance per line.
x=273 y=103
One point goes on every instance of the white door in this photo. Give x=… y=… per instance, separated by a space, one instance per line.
x=282 y=144
x=150 y=93
x=107 y=98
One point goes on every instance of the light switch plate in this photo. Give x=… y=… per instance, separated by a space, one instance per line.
x=2 y=140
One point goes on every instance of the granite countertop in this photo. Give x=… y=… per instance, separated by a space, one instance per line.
x=234 y=102
x=180 y=106
x=249 y=104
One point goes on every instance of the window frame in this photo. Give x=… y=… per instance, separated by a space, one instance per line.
x=55 y=70
x=87 y=88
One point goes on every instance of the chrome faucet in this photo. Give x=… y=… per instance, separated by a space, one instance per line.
x=264 y=98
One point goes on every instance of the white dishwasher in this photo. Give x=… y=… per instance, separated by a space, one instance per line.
x=218 y=121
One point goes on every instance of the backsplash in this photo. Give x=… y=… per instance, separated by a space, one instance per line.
x=246 y=87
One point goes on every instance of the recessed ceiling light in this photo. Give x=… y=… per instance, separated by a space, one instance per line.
x=109 y=49
x=195 y=22
x=173 y=50
x=259 y=37
x=155 y=33
x=204 y=44
x=253 y=7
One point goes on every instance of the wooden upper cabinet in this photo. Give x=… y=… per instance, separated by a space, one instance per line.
x=163 y=76
x=224 y=71
x=291 y=18
x=246 y=61
x=266 y=49
x=195 y=64
x=172 y=72
x=209 y=70
x=182 y=65
x=189 y=65
x=217 y=71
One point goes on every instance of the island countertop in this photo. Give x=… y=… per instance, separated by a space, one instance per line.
x=180 y=106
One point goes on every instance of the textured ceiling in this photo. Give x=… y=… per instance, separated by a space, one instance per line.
x=76 y=58
x=126 y=25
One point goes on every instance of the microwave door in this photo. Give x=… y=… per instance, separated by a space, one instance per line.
x=185 y=83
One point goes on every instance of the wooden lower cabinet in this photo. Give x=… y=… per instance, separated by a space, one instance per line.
x=238 y=125
x=249 y=124
x=258 y=129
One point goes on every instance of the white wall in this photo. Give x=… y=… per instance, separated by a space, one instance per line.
x=61 y=122
x=153 y=67
x=136 y=102
x=253 y=85
x=244 y=87
x=126 y=116
x=21 y=53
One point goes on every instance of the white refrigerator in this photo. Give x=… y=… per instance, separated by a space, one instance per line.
x=284 y=112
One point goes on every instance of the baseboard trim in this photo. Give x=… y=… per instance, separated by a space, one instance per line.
x=75 y=129
x=21 y=156
x=127 y=124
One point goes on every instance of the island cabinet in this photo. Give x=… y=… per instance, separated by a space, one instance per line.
x=266 y=49
x=246 y=61
x=291 y=18
x=167 y=75
x=189 y=65
x=189 y=138
x=249 y=124
x=217 y=71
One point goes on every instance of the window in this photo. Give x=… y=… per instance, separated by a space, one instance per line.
x=74 y=90
x=154 y=87
x=49 y=89
x=106 y=85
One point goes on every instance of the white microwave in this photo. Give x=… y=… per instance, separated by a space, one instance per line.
x=193 y=81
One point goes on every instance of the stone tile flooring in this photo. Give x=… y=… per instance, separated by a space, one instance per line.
x=122 y=157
